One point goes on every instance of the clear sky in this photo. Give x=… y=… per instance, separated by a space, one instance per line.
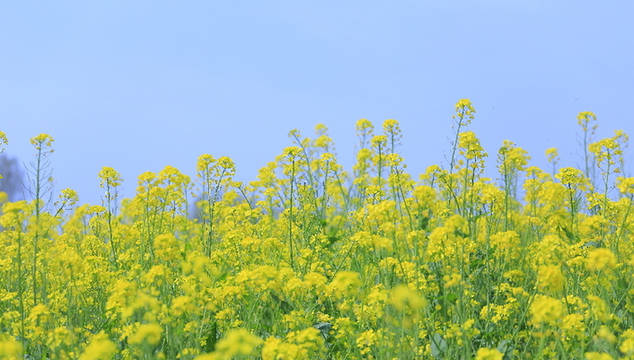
x=138 y=85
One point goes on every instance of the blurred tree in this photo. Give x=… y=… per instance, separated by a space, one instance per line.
x=12 y=181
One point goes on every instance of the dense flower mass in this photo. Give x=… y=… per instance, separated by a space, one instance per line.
x=310 y=261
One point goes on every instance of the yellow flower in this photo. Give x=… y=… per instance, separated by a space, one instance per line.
x=605 y=334
x=298 y=345
x=600 y=259
x=626 y=185
x=511 y=158
x=99 y=348
x=597 y=356
x=204 y=164
x=182 y=305
x=608 y=153
x=109 y=178
x=67 y=198
x=488 y=354
x=167 y=247
x=371 y=249
x=291 y=152
x=379 y=142
x=584 y=118
x=550 y=278
x=504 y=242
x=546 y=310
x=344 y=284
x=464 y=111
x=470 y=146
x=572 y=178
x=392 y=129
x=405 y=299
x=573 y=324
x=552 y=154
x=42 y=142
x=237 y=342
x=10 y=350
x=366 y=341
x=627 y=342
x=364 y=125
x=452 y=280
x=146 y=334
x=598 y=308
x=3 y=141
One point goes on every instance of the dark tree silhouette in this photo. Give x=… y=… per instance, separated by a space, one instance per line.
x=12 y=181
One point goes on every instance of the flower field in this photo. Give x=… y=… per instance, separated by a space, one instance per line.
x=311 y=261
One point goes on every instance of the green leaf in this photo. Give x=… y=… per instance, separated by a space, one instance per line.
x=438 y=346
x=504 y=346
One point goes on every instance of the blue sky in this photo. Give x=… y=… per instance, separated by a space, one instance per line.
x=138 y=85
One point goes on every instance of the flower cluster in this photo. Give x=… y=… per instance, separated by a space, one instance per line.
x=309 y=261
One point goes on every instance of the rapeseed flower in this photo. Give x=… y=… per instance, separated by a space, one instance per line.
x=600 y=259
x=550 y=278
x=546 y=310
x=237 y=342
x=310 y=261
x=488 y=354
x=100 y=347
x=10 y=350
x=146 y=334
